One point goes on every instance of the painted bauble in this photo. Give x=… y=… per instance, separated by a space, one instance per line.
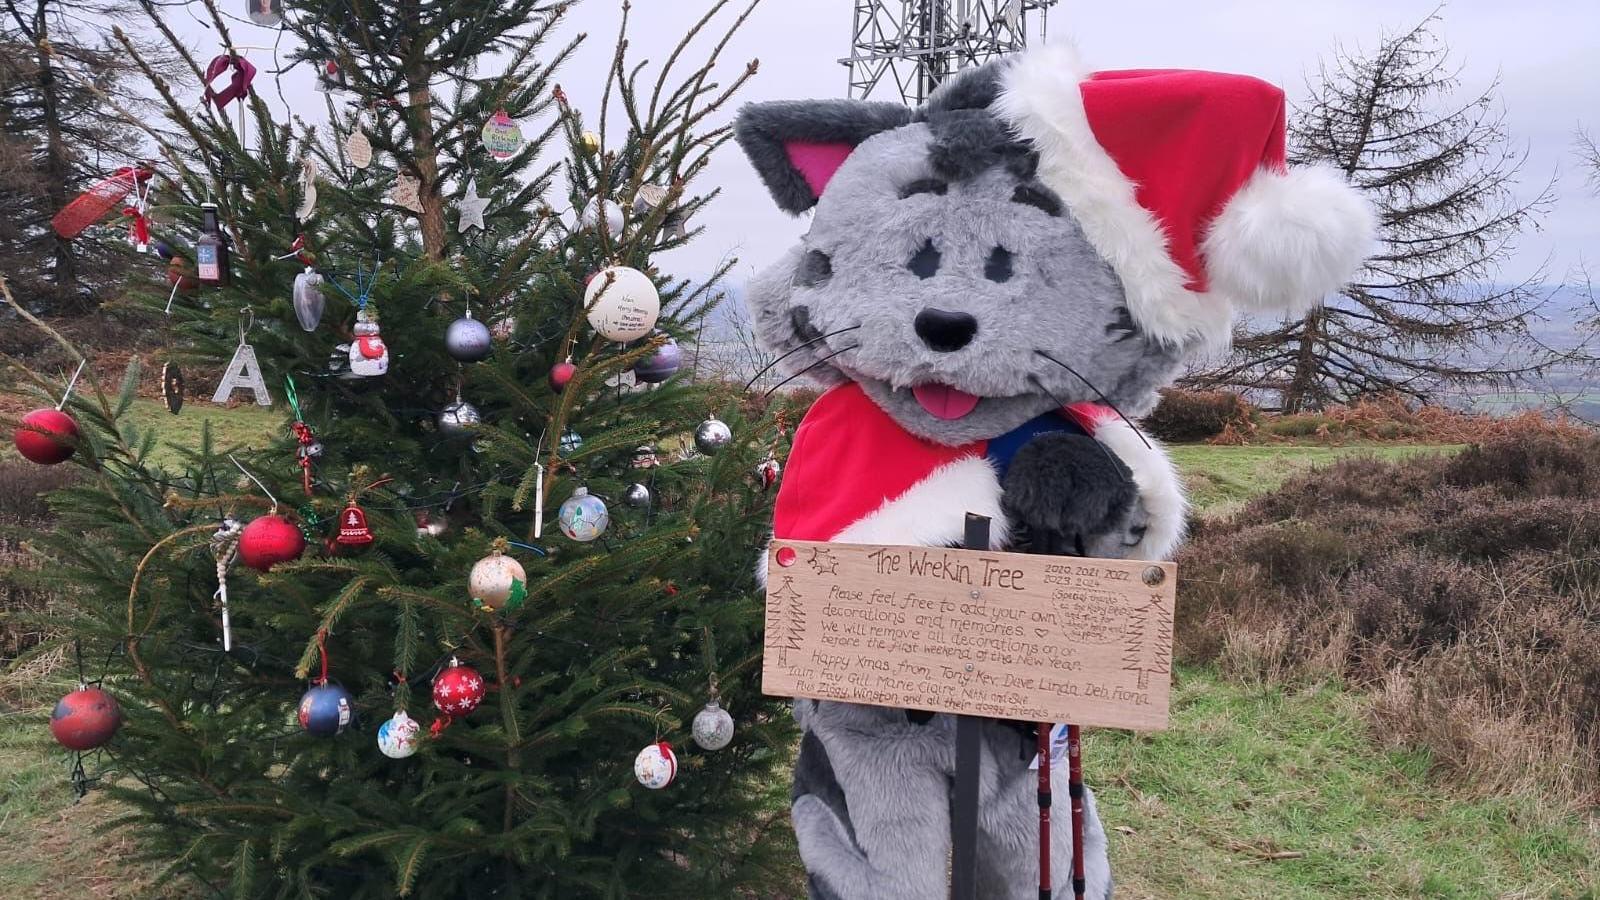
x=561 y=375
x=713 y=727
x=712 y=435
x=636 y=496
x=583 y=516
x=85 y=719
x=325 y=710
x=468 y=340
x=459 y=418
x=47 y=436
x=458 y=690
x=269 y=540
x=623 y=303
x=502 y=136
x=399 y=736
x=494 y=578
x=660 y=365
x=656 y=766
x=571 y=441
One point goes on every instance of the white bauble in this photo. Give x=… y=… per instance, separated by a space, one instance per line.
x=627 y=306
x=492 y=579
x=398 y=737
x=656 y=766
x=713 y=727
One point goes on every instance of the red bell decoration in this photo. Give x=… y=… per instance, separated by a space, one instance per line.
x=47 y=436
x=353 y=530
x=85 y=719
x=458 y=690
x=269 y=540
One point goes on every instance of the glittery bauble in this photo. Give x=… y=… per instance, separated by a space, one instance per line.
x=47 y=436
x=85 y=719
x=656 y=766
x=269 y=540
x=458 y=690
x=561 y=375
x=623 y=303
x=713 y=727
x=468 y=340
x=636 y=496
x=591 y=142
x=660 y=365
x=459 y=418
x=325 y=710
x=398 y=737
x=712 y=435
x=583 y=517
x=493 y=578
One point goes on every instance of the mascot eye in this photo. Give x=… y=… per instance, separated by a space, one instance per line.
x=926 y=263
x=924 y=186
x=815 y=268
x=998 y=267
x=1123 y=328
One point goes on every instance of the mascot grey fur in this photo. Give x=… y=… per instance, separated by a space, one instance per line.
x=994 y=284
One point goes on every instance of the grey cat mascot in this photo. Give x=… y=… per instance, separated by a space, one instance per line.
x=995 y=285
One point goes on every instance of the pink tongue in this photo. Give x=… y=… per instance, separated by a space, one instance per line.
x=943 y=401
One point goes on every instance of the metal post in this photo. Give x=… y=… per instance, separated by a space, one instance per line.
x=964 y=813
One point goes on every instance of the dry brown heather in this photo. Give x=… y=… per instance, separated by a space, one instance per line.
x=1464 y=591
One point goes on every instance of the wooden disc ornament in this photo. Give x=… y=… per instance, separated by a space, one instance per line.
x=85 y=719
x=269 y=540
x=358 y=148
x=623 y=303
x=497 y=581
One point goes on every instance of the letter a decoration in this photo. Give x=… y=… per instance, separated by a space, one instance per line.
x=243 y=370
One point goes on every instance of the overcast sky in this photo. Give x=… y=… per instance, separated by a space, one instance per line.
x=1544 y=52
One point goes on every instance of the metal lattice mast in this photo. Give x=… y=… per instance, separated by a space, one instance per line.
x=919 y=43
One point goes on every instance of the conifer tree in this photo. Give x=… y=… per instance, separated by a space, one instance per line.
x=600 y=649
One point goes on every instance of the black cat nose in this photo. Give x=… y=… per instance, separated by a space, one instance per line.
x=943 y=331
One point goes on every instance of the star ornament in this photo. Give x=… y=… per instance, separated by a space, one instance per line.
x=471 y=208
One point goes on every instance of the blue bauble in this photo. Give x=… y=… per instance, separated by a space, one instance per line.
x=660 y=365
x=326 y=709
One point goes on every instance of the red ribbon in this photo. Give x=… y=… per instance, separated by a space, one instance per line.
x=302 y=433
x=322 y=650
x=238 y=83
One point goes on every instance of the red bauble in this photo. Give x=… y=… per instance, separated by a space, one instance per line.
x=561 y=375
x=270 y=540
x=85 y=719
x=47 y=436
x=458 y=690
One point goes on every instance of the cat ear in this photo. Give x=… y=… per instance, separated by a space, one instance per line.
x=797 y=145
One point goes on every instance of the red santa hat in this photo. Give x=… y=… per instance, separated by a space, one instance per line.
x=1178 y=178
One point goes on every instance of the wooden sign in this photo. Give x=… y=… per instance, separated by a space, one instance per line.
x=1006 y=635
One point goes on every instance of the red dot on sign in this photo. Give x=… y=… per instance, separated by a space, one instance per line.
x=786 y=556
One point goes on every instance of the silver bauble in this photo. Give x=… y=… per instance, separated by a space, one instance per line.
x=713 y=727
x=636 y=496
x=712 y=435
x=468 y=340
x=459 y=418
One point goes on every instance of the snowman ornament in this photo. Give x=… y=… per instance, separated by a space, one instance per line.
x=369 y=356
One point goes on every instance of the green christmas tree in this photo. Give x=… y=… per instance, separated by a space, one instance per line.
x=603 y=647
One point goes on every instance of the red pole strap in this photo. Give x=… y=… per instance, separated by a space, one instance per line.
x=1045 y=729
x=1075 y=791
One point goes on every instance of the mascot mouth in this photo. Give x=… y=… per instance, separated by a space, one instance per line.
x=943 y=401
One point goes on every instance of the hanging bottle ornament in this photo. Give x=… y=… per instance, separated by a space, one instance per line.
x=211 y=249
x=660 y=365
x=712 y=435
x=244 y=371
x=459 y=418
x=325 y=710
x=561 y=375
x=583 y=516
x=357 y=147
x=502 y=136
x=172 y=386
x=369 y=355
x=636 y=496
x=399 y=736
x=49 y=436
x=468 y=340
x=713 y=726
x=497 y=581
x=308 y=300
x=458 y=689
x=85 y=719
x=622 y=303
x=266 y=13
x=656 y=765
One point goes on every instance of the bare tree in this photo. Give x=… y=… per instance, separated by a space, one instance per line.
x=1589 y=157
x=1426 y=313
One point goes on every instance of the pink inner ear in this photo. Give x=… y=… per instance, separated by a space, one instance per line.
x=817 y=161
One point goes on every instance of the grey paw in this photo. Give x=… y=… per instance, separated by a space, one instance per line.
x=1068 y=493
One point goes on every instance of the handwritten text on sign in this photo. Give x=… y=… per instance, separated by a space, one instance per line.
x=1009 y=635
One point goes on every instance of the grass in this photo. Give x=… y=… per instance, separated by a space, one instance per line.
x=1263 y=792
x=244 y=425
x=1220 y=479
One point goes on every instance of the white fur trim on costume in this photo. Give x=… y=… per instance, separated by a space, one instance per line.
x=1159 y=487
x=933 y=512
x=1041 y=101
x=1286 y=240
